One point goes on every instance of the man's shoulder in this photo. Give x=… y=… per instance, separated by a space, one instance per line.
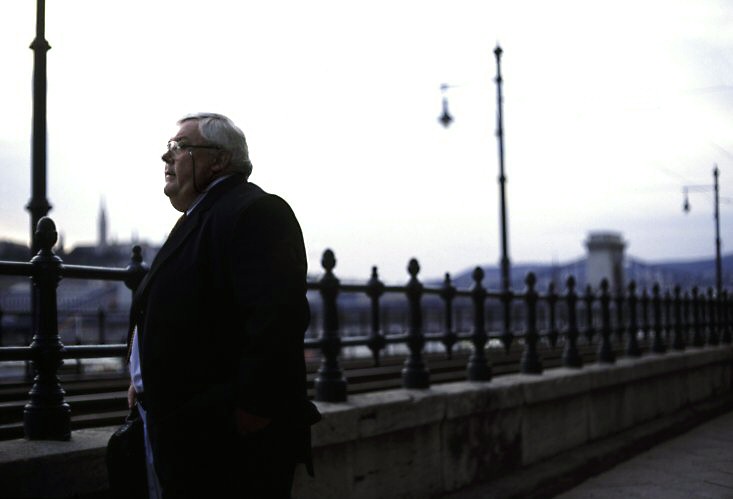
x=235 y=196
x=247 y=200
x=250 y=194
x=245 y=194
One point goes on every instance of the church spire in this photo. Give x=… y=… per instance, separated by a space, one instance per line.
x=102 y=225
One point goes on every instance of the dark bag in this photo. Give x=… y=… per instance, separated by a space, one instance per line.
x=126 y=466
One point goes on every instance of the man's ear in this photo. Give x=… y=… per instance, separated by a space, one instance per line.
x=221 y=163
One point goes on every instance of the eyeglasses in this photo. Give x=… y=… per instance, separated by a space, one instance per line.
x=175 y=147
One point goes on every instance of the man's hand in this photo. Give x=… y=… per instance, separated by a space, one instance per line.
x=249 y=423
x=131 y=396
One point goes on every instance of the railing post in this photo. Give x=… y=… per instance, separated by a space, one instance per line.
x=377 y=342
x=645 y=325
x=478 y=365
x=632 y=344
x=725 y=318
x=507 y=337
x=330 y=384
x=47 y=416
x=448 y=293
x=686 y=320
x=668 y=328
x=136 y=269
x=531 y=363
x=678 y=340
x=414 y=373
x=714 y=338
x=570 y=356
x=704 y=316
x=698 y=337
x=588 y=298
x=619 y=299
x=552 y=333
x=657 y=342
x=605 y=350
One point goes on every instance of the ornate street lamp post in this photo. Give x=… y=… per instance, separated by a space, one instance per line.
x=505 y=279
x=38 y=205
x=686 y=208
x=446 y=119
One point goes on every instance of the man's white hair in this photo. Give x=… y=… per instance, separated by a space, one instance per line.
x=221 y=131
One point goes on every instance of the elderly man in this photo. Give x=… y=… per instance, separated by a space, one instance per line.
x=217 y=328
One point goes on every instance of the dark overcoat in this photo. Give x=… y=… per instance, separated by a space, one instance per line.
x=221 y=316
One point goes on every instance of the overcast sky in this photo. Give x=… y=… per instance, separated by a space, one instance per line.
x=610 y=109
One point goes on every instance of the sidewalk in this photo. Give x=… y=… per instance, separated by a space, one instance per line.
x=696 y=464
x=693 y=460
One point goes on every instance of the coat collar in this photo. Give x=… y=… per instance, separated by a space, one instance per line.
x=178 y=236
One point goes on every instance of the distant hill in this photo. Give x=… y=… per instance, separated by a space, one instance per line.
x=667 y=274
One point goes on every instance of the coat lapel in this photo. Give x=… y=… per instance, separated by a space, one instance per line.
x=175 y=239
x=178 y=236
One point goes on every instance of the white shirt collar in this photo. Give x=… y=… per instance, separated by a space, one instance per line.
x=201 y=196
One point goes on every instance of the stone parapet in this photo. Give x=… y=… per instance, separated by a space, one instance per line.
x=425 y=443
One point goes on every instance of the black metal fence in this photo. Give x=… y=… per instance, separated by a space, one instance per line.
x=645 y=322
x=47 y=415
x=641 y=322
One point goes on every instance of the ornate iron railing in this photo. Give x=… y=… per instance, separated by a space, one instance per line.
x=639 y=322
x=680 y=319
x=46 y=416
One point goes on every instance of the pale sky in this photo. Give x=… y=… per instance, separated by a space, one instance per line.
x=610 y=108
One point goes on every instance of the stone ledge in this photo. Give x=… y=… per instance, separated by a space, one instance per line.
x=488 y=430
x=376 y=413
x=450 y=435
x=50 y=469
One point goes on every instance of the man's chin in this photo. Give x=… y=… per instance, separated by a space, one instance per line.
x=176 y=204
x=177 y=201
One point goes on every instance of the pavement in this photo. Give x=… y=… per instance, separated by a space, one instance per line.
x=695 y=464
x=690 y=459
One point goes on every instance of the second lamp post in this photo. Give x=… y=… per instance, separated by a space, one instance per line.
x=446 y=119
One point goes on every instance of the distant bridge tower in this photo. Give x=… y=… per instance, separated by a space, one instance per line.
x=605 y=259
x=102 y=226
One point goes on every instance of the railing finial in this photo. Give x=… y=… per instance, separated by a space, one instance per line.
x=136 y=269
x=478 y=364
x=137 y=254
x=46 y=416
x=678 y=333
x=658 y=345
x=632 y=345
x=374 y=290
x=328 y=261
x=448 y=294
x=571 y=356
x=330 y=383
x=530 y=362
x=413 y=268
x=606 y=354
x=46 y=235
x=415 y=373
